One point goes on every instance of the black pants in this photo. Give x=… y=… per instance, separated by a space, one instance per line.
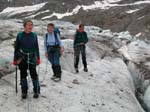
x=23 y=67
x=77 y=51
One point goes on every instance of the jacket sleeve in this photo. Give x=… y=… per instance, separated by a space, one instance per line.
x=86 y=38
x=75 y=40
x=37 y=48
x=17 y=47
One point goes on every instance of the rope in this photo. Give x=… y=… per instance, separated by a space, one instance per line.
x=16 y=81
x=28 y=72
x=45 y=72
x=28 y=62
x=46 y=57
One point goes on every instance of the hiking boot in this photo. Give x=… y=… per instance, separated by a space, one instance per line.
x=85 y=70
x=53 y=77
x=57 y=79
x=24 y=95
x=36 y=86
x=76 y=70
x=36 y=95
x=24 y=88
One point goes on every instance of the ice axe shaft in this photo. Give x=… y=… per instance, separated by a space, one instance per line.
x=16 y=81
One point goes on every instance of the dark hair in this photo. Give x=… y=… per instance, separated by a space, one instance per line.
x=27 y=21
x=51 y=24
x=81 y=25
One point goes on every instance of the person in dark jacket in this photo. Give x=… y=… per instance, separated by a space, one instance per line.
x=26 y=56
x=53 y=50
x=80 y=41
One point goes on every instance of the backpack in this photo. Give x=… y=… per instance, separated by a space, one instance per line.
x=57 y=30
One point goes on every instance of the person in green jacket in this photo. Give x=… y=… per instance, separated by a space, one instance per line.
x=80 y=42
x=27 y=57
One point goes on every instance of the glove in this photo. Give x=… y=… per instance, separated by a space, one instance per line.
x=15 y=62
x=46 y=54
x=38 y=61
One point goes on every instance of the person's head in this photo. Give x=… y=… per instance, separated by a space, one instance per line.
x=81 y=27
x=50 y=27
x=28 y=25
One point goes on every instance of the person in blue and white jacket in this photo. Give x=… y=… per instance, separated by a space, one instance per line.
x=53 y=50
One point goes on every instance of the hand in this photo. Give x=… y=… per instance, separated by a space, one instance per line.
x=38 y=61
x=61 y=51
x=81 y=43
x=46 y=54
x=15 y=62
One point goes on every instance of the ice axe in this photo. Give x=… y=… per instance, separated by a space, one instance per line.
x=18 y=62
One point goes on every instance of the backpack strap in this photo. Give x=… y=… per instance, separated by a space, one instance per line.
x=46 y=36
x=20 y=35
x=56 y=38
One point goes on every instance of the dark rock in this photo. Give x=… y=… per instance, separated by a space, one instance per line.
x=5 y=69
x=75 y=81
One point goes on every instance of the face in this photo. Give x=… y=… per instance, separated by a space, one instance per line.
x=28 y=27
x=50 y=29
x=81 y=28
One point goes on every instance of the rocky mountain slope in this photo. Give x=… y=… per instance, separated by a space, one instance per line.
x=117 y=15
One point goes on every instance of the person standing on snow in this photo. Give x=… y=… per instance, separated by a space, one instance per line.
x=26 y=56
x=80 y=41
x=53 y=50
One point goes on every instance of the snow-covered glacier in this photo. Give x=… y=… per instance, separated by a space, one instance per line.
x=109 y=86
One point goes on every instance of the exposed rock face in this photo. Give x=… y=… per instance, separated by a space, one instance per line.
x=5 y=68
x=127 y=15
